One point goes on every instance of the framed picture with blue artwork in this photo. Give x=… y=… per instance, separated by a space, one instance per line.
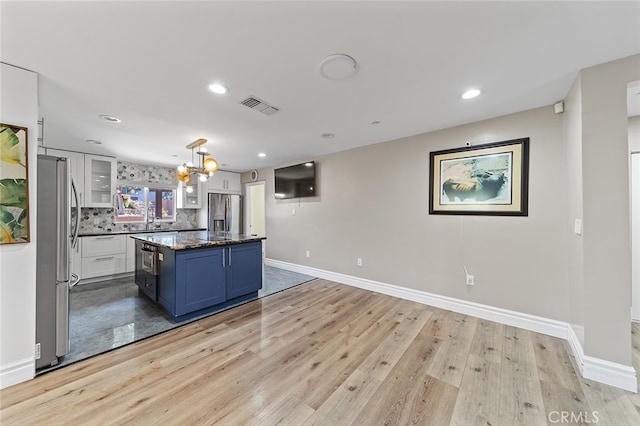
x=490 y=179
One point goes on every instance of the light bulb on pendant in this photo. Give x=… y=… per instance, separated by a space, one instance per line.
x=203 y=177
x=189 y=189
x=182 y=169
x=210 y=165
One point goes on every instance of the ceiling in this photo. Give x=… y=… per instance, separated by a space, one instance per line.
x=150 y=63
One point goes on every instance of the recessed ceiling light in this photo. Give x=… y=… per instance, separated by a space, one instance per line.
x=262 y=154
x=327 y=135
x=470 y=94
x=111 y=118
x=218 y=88
x=93 y=141
x=225 y=164
x=375 y=123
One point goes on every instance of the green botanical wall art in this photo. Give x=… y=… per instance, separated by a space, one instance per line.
x=14 y=185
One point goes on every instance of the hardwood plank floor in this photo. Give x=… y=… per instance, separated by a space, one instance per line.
x=327 y=354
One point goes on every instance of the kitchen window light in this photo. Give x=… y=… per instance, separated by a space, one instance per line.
x=140 y=204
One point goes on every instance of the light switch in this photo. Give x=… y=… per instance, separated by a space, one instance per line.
x=577 y=227
x=293 y=212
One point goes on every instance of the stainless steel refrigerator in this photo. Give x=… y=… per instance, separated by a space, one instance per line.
x=55 y=238
x=225 y=212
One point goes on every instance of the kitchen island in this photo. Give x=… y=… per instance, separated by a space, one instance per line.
x=192 y=273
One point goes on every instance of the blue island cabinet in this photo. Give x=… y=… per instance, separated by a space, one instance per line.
x=193 y=280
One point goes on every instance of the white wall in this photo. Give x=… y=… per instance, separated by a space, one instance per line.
x=19 y=106
x=373 y=204
x=634 y=146
x=634 y=133
x=605 y=186
x=572 y=133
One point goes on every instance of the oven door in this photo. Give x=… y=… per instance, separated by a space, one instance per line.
x=147 y=270
x=149 y=258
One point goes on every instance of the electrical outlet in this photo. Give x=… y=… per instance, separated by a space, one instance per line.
x=359 y=261
x=96 y=221
x=293 y=213
x=308 y=253
x=470 y=279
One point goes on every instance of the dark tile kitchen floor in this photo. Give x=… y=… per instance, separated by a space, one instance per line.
x=110 y=314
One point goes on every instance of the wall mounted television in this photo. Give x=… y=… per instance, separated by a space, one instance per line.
x=296 y=181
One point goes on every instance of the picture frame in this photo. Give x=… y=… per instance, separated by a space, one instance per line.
x=14 y=185
x=489 y=179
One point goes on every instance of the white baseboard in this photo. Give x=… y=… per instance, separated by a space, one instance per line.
x=17 y=372
x=606 y=372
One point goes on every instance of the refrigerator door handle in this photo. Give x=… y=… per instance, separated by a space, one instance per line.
x=75 y=279
x=227 y=214
x=74 y=239
x=63 y=205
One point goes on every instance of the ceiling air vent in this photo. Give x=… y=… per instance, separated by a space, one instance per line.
x=255 y=103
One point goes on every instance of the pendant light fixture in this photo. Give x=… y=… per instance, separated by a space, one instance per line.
x=205 y=166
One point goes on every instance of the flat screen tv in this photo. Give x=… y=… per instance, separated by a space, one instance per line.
x=296 y=181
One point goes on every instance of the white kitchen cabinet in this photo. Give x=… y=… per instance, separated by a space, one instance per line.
x=103 y=255
x=100 y=180
x=224 y=182
x=103 y=266
x=103 y=245
x=130 y=264
x=76 y=162
x=191 y=200
x=94 y=176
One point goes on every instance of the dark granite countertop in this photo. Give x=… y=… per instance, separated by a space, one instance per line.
x=194 y=239
x=141 y=231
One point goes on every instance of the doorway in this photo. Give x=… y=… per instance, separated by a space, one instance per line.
x=255 y=216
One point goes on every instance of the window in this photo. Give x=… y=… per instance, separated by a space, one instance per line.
x=131 y=204
x=142 y=204
x=164 y=199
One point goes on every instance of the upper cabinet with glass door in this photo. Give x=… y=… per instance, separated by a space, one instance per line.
x=190 y=194
x=100 y=180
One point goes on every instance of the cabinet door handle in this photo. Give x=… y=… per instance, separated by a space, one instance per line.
x=104 y=258
x=106 y=238
x=229 y=256
x=223 y=250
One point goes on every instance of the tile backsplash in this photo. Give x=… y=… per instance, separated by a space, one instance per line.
x=97 y=220
x=141 y=173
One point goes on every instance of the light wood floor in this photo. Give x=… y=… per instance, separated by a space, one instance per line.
x=327 y=354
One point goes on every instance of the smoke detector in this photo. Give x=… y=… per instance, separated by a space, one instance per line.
x=338 y=66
